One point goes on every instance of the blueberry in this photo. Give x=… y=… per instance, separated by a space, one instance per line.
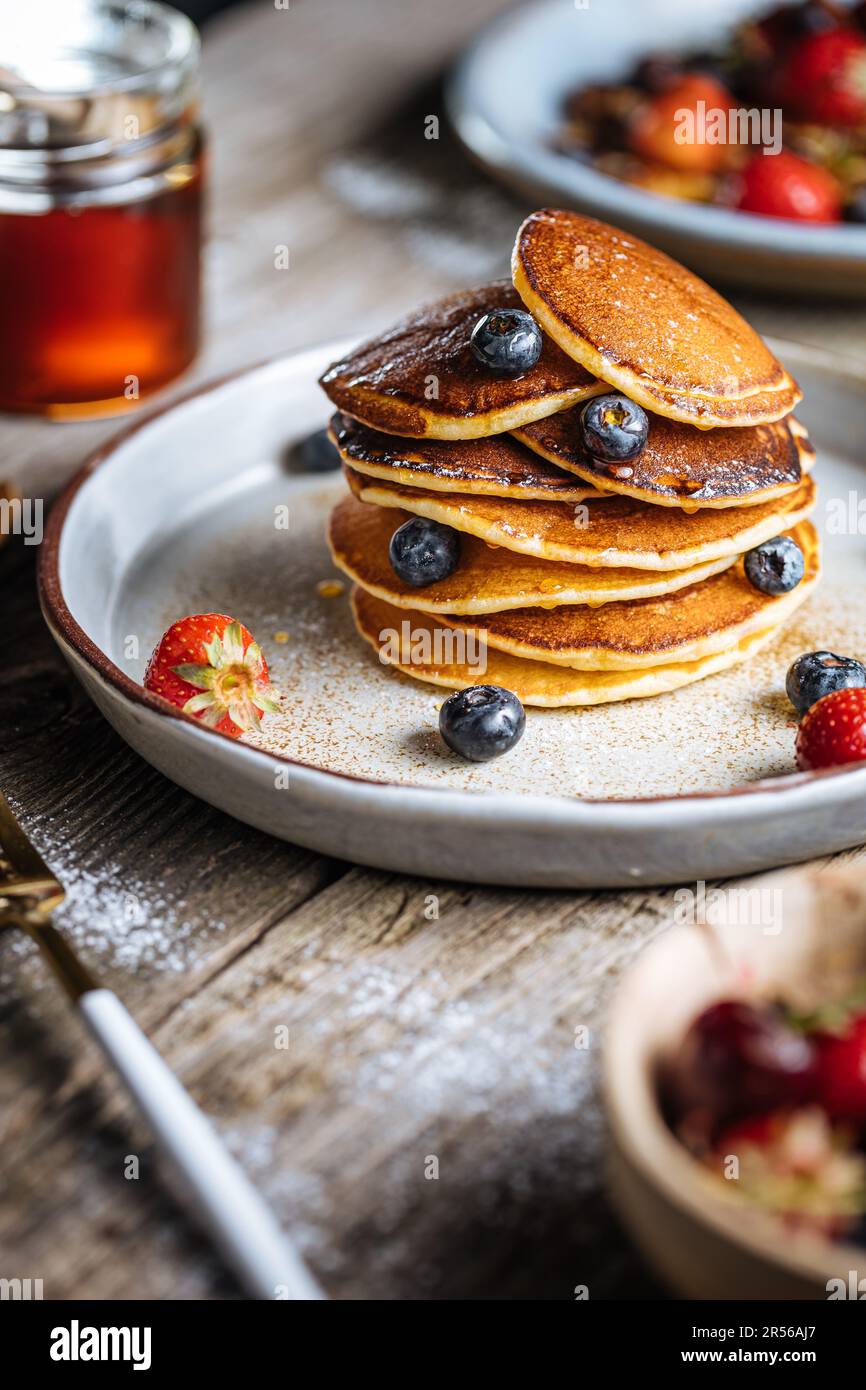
x=776 y=567
x=820 y=673
x=811 y=18
x=313 y=454
x=423 y=551
x=657 y=72
x=856 y=209
x=507 y=340
x=710 y=64
x=482 y=722
x=613 y=428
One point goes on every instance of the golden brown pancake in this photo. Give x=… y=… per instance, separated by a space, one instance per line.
x=488 y=579
x=616 y=531
x=641 y=321
x=422 y=379
x=498 y=466
x=686 y=626
x=682 y=466
x=400 y=636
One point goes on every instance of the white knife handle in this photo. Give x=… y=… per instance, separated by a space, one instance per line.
x=231 y=1210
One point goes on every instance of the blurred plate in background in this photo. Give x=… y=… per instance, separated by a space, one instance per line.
x=505 y=102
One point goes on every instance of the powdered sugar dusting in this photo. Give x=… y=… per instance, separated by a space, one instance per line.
x=123 y=923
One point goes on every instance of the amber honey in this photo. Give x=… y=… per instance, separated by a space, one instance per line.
x=101 y=182
x=100 y=305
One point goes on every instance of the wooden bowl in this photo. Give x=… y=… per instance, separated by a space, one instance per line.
x=799 y=936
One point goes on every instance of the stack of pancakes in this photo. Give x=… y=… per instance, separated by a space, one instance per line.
x=586 y=581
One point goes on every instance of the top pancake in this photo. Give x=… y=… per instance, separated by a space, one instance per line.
x=421 y=378
x=496 y=467
x=642 y=322
x=681 y=466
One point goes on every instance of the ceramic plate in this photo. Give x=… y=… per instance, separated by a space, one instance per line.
x=178 y=514
x=505 y=102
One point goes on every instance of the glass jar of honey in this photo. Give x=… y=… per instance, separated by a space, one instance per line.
x=101 y=173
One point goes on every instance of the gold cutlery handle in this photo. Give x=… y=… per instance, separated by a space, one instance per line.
x=73 y=975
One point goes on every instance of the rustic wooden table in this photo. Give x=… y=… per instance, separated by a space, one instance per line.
x=409 y=1039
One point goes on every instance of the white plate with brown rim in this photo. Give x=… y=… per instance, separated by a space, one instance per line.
x=177 y=515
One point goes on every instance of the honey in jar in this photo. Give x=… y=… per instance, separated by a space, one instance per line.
x=101 y=176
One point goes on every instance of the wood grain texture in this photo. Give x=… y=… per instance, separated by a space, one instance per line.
x=410 y=1037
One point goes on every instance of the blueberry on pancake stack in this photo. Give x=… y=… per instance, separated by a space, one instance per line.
x=594 y=472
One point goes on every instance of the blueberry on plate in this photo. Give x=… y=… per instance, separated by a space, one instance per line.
x=507 y=340
x=613 y=428
x=776 y=567
x=423 y=551
x=482 y=722
x=816 y=674
x=313 y=454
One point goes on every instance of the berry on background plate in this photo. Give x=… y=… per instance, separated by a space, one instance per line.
x=658 y=124
x=423 y=551
x=816 y=674
x=507 y=340
x=824 y=78
x=833 y=732
x=210 y=666
x=855 y=210
x=786 y=185
x=482 y=722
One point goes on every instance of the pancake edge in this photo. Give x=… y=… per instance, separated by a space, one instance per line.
x=771 y=526
x=604 y=659
x=673 y=581
x=426 y=424
x=653 y=681
x=642 y=389
x=388 y=473
x=657 y=499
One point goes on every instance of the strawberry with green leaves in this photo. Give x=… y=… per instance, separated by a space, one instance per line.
x=210 y=666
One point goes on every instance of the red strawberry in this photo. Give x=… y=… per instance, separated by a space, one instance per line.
x=758 y=1130
x=833 y=731
x=654 y=133
x=210 y=666
x=784 y=185
x=824 y=78
x=842 y=1071
x=741 y=1059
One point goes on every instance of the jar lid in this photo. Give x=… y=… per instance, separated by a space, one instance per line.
x=87 y=79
